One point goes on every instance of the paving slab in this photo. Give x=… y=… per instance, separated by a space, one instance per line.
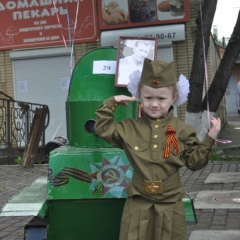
x=31 y=201
x=217 y=199
x=228 y=177
x=215 y=235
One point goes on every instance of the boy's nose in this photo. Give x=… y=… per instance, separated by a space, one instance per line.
x=154 y=103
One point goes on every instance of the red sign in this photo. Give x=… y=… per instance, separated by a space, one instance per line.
x=36 y=23
x=134 y=13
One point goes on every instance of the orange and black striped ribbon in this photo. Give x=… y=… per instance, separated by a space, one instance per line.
x=63 y=176
x=171 y=139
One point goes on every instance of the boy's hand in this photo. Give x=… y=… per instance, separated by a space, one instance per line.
x=122 y=99
x=215 y=127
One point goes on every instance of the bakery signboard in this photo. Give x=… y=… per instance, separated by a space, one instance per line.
x=37 y=23
x=115 y=14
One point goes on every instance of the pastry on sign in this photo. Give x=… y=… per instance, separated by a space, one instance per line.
x=113 y=14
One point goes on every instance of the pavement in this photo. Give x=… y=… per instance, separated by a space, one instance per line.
x=212 y=223
x=14 y=178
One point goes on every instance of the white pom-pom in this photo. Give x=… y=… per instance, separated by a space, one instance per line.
x=133 y=84
x=183 y=90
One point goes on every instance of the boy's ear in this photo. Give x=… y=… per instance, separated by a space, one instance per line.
x=175 y=97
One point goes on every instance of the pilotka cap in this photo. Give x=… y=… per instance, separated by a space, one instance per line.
x=158 y=74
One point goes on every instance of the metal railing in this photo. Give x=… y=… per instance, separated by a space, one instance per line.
x=15 y=123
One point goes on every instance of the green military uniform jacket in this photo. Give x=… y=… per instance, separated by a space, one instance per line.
x=143 y=141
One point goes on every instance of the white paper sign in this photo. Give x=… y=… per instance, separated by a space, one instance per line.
x=65 y=83
x=104 y=67
x=23 y=87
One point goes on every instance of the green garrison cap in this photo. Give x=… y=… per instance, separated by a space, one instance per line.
x=158 y=74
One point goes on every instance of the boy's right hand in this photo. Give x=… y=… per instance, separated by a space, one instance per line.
x=122 y=99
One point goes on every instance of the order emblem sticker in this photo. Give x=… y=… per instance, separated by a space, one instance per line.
x=111 y=176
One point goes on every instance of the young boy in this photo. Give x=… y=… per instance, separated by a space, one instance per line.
x=156 y=145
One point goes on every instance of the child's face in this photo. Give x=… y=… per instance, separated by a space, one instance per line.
x=157 y=101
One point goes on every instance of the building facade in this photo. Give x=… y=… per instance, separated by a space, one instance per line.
x=41 y=74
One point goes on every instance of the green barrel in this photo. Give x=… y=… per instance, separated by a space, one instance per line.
x=86 y=93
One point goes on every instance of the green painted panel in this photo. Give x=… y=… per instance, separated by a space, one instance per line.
x=189 y=210
x=85 y=220
x=88 y=173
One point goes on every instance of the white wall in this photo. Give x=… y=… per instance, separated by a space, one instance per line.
x=231 y=95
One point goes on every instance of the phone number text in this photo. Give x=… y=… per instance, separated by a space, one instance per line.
x=163 y=36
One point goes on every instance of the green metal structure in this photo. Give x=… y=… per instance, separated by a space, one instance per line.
x=88 y=177
x=86 y=186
